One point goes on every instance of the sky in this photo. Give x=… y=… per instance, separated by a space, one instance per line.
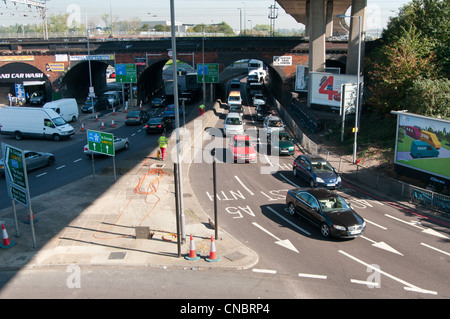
x=186 y=11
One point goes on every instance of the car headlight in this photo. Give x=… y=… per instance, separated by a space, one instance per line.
x=319 y=180
x=338 y=227
x=339 y=179
x=291 y=148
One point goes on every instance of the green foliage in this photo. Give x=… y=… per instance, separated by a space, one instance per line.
x=409 y=70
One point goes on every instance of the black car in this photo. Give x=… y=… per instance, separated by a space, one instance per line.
x=99 y=104
x=158 y=124
x=327 y=210
x=158 y=101
x=316 y=171
x=262 y=111
x=137 y=117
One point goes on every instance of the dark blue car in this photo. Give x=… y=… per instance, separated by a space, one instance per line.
x=316 y=171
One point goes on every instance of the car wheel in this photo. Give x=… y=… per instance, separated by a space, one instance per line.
x=18 y=136
x=56 y=138
x=51 y=161
x=126 y=146
x=294 y=171
x=291 y=209
x=325 y=230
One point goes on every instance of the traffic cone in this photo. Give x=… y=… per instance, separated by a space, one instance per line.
x=140 y=106
x=82 y=127
x=213 y=256
x=192 y=253
x=114 y=111
x=6 y=241
x=27 y=221
x=103 y=125
x=96 y=117
x=112 y=123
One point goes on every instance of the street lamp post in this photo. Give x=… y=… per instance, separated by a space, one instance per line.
x=355 y=145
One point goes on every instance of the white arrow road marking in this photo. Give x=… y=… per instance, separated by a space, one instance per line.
x=414 y=224
x=408 y=286
x=382 y=245
x=288 y=221
x=284 y=243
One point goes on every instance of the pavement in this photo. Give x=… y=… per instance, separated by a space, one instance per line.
x=130 y=221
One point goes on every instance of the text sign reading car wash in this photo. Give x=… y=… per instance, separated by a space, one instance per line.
x=15 y=174
x=101 y=142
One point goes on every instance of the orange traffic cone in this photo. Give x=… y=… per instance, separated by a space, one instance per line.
x=27 y=221
x=114 y=111
x=82 y=127
x=213 y=256
x=103 y=125
x=96 y=117
x=6 y=241
x=112 y=123
x=192 y=253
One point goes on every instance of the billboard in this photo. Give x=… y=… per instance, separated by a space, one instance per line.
x=325 y=88
x=423 y=144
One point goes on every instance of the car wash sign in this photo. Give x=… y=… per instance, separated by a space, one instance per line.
x=19 y=73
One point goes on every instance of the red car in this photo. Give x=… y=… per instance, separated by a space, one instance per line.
x=242 y=149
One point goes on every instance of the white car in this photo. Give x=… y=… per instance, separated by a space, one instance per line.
x=273 y=124
x=119 y=144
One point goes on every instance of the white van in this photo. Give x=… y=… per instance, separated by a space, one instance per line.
x=114 y=97
x=233 y=125
x=234 y=98
x=66 y=108
x=35 y=122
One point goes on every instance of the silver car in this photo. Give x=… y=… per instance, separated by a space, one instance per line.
x=119 y=144
x=33 y=160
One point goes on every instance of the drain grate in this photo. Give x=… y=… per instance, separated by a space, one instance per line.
x=117 y=255
x=157 y=165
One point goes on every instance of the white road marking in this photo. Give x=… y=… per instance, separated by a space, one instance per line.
x=41 y=174
x=62 y=166
x=77 y=160
x=288 y=221
x=382 y=245
x=289 y=181
x=382 y=227
x=284 y=243
x=408 y=286
x=265 y=271
x=367 y=283
x=312 y=276
x=245 y=187
x=424 y=230
x=436 y=249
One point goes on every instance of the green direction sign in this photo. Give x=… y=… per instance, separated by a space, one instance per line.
x=14 y=166
x=211 y=71
x=19 y=195
x=126 y=73
x=101 y=142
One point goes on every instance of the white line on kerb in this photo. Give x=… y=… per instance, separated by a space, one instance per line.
x=245 y=187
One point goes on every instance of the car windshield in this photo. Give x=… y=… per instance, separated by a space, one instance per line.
x=275 y=123
x=157 y=99
x=321 y=166
x=233 y=121
x=58 y=121
x=133 y=114
x=333 y=204
x=284 y=137
x=242 y=143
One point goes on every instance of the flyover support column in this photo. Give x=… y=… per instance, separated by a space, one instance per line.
x=329 y=18
x=358 y=9
x=317 y=36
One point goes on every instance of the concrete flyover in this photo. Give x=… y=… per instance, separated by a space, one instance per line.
x=319 y=18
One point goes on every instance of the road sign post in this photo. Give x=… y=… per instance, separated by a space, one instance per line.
x=102 y=143
x=17 y=183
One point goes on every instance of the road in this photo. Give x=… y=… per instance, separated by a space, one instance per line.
x=400 y=255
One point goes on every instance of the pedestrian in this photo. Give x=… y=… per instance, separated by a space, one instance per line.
x=201 y=108
x=163 y=143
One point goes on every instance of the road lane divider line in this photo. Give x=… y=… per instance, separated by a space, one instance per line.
x=288 y=221
x=77 y=160
x=312 y=276
x=41 y=174
x=436 y=249
x=289 y=181
x=367 y=283
x=62 y=166
x=407 y=285
x=243 y=185
x=264 y=271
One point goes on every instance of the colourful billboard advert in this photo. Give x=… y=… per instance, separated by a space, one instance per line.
x=423 y=143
